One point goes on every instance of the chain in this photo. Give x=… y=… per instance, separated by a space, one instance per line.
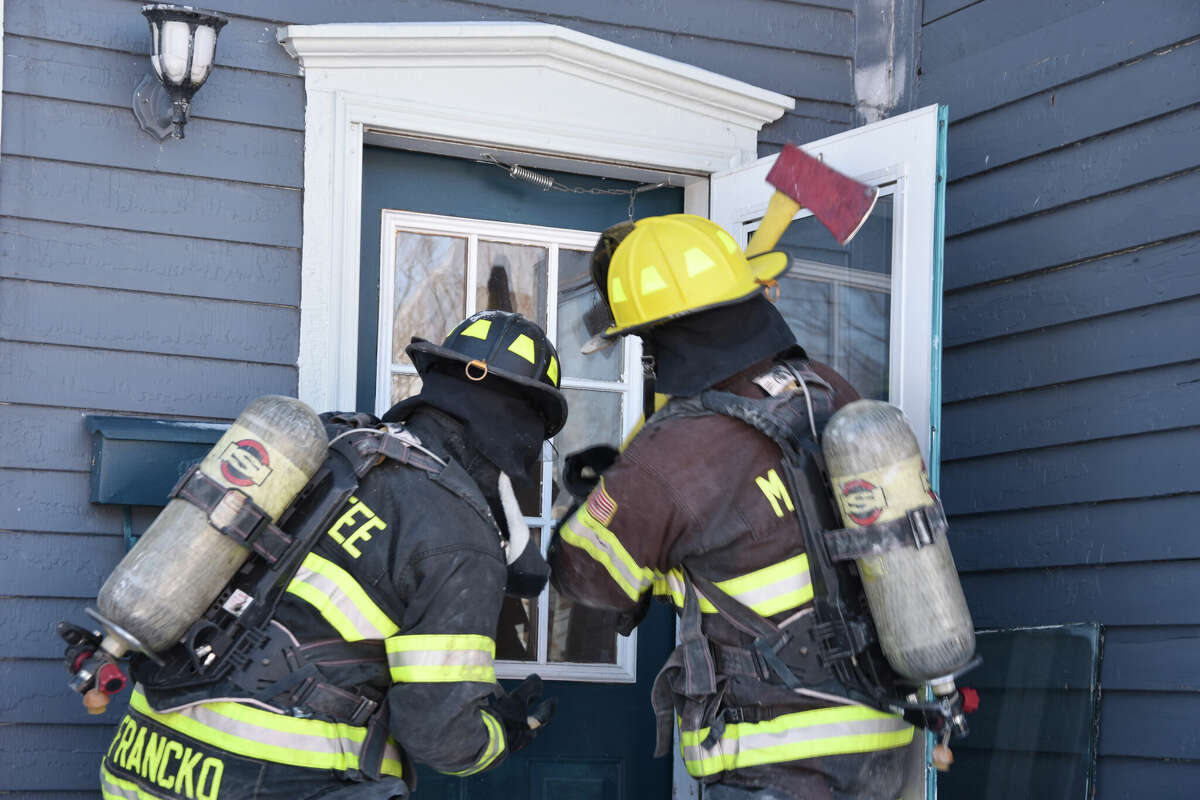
x=517 y=172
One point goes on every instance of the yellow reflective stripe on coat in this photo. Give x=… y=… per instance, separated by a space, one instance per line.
x=340 y=600
x=495 y=746
x=770 y=590
x=266 y=736
x=790 y=737
x=438 y=658
x=584 y=531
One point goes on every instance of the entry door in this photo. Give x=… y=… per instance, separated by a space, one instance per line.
x=871 y=309
x=442 y=238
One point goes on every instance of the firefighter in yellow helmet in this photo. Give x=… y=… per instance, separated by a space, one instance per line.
x=704 y=511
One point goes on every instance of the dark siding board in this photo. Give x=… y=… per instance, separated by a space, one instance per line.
x=1128 y=157
x=27 y=624
x=1132 y=279
x=1163 y=210
x=33 y=437
x=115 y=259
x=38 y=501
x=1129 y=340
x=1152 y=659
x=761 y=23
x=57 y=565
x=1149 y=465
x=137 y=383
x=1160 y=593
x=1150 y=725
x=1143 y=778
x=119 y=25
x=977 y=25
x=1110 y=532
x=1058 y=53
x=142 y=201
x=796 y=129
x=53 y=757
x=1114 y=405
x=1147 y=88
x=147 y=323
x=91 y=134
x=71 y=72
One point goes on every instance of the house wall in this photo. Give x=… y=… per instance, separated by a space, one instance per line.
x=164 y=280
x=1071 y=419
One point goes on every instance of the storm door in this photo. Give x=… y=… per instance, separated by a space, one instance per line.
x=870 y=309
x=442 y=238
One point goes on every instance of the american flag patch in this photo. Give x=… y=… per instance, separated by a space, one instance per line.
x=601 y=505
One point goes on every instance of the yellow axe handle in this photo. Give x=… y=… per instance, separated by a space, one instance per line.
x=780 y=211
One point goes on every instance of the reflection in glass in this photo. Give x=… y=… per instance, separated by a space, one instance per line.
x=581 y=314
x=594 y=418
x=512 y=277
x=580 y=634
x=837 y=299
x=516 y=633
x=404 y=386
x=428 y=298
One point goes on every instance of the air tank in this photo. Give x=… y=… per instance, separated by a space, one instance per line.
x=916 y=600
x=181 y=563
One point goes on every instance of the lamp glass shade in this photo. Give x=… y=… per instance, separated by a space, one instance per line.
x=202 y=56
x=174 y=51
x=155 y=60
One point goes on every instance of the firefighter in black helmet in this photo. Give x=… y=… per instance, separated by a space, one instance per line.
x=391 y=619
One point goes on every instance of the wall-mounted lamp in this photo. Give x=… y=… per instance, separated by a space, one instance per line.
x=183 y=41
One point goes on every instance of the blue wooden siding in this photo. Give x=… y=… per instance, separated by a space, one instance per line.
x=1071 y=438
x=139 y=278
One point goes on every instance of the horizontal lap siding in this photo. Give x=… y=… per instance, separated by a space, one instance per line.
x=164 y=279
x=1071 y=418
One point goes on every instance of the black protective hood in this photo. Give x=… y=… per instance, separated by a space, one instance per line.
x=695 y=352
x=497 y=419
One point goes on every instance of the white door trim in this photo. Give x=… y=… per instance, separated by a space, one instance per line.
x=525 y=86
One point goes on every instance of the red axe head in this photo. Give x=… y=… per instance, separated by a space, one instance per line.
x=842 y=204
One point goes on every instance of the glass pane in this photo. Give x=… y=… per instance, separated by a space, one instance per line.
x=580 y=634
x=582 y=314
x=1035 y=732
x=516 y=633
x=512 y=277
x=594 y=418
x=837 y=298
x=429 y=297
x=404 y=386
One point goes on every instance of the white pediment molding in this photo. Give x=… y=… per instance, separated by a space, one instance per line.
x=524 y=86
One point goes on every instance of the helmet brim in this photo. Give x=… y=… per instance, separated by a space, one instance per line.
x=764 y=268
x=550 y=402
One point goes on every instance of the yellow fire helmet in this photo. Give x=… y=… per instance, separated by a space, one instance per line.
x=679 y=264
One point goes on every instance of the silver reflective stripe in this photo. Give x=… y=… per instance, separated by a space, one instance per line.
x=440 y=658
x=292 y=740
x=125 y=790
x=340 y=600
x=582 y=530
x=742 y=741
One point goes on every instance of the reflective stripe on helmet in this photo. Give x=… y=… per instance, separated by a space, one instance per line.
x=585 y=532
x=340 y=600
x=804 y=734
x=434 y=658
x=767 y=591
x=267 y=736
x=495 y=746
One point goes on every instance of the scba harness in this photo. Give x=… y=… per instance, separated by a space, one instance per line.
x=236 y=650
x=827 y=652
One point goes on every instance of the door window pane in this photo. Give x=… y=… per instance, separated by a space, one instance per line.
x=429 y=296
x=837 y=298
x=582 y=314
x=516 y=633
x=580 y=634
x=404 y=385
x=512 y=277
x=595 y=418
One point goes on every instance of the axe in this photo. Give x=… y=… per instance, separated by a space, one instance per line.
x=842 y=204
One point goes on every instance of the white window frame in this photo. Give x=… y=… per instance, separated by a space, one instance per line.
x=900 y=155
x=629 y=385
x=555 y=97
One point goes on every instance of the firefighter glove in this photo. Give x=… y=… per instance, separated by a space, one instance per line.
x=583 y=468
x=523 y=712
